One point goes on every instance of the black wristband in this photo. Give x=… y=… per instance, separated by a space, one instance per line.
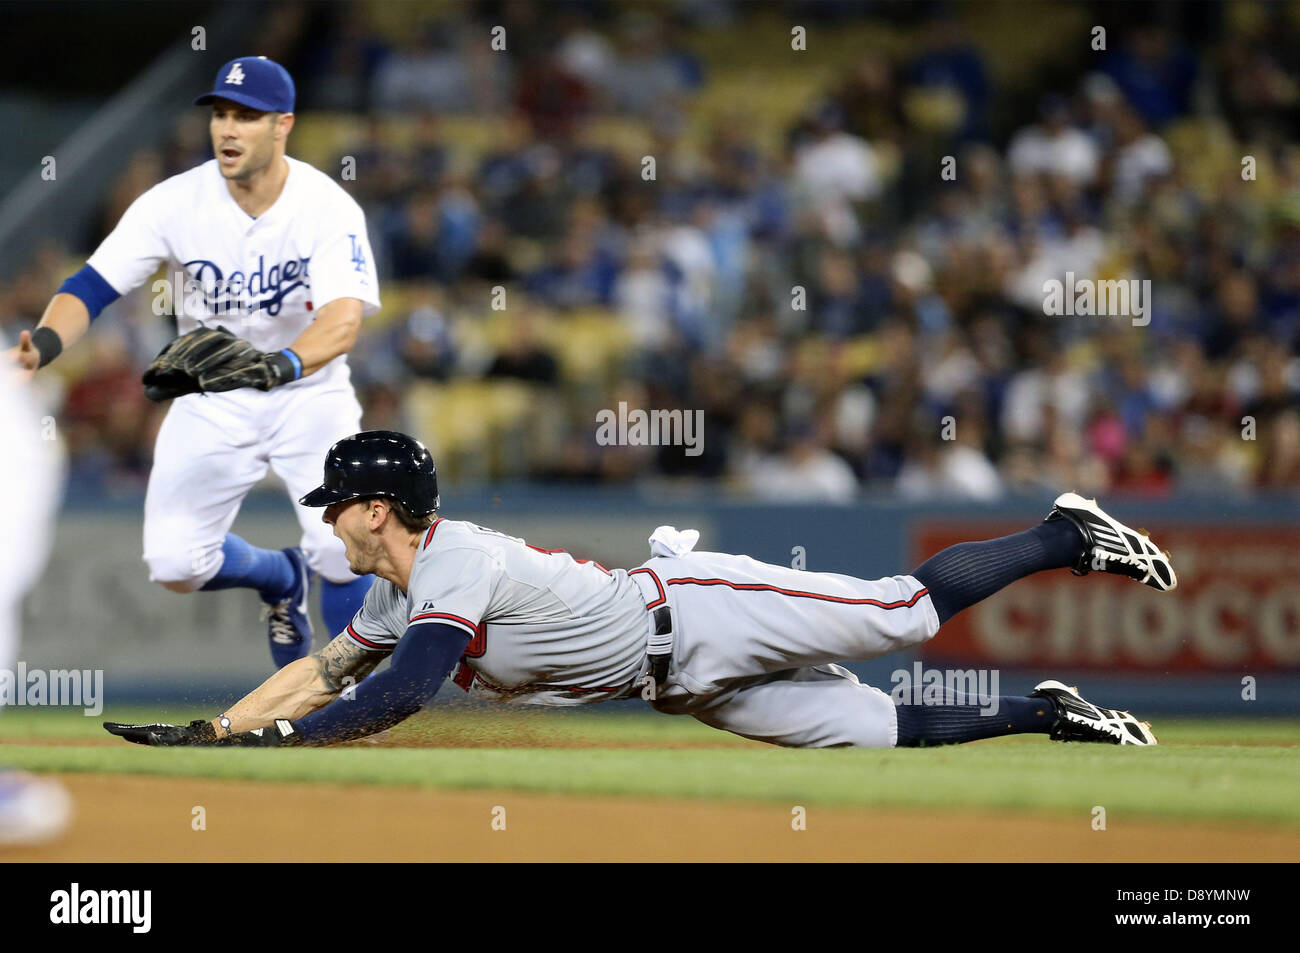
x=280 y=734
x=283 y=365
x=48 y=343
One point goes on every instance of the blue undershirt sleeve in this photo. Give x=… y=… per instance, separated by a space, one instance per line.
x=424 y=657
x=89 y=285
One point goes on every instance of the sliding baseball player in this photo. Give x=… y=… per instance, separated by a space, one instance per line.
x=741 y=645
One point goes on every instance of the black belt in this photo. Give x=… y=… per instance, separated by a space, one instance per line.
x=661 y=645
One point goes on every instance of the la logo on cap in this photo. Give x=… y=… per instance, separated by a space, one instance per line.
x=236 y=75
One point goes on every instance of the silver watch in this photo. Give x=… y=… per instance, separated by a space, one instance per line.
x=224 y=722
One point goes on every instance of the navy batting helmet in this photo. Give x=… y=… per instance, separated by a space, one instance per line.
x=379 y=463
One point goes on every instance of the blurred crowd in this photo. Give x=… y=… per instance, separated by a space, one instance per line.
x=860 y=307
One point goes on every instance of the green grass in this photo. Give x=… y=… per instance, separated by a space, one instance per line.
x=1204 y=769
x=477 y=727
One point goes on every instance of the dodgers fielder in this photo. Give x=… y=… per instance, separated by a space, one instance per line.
x=741 y=645
x=276 y=252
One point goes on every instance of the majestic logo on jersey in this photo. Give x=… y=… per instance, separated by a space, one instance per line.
x=236 y=76
x=263 y=289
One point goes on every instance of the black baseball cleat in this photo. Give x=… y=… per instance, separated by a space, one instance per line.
x=1112 y=546
x=1080 y=720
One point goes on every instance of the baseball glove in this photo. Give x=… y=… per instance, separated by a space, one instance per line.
x=213 y=359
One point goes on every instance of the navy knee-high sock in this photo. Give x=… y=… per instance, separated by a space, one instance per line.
x=962 y=575
x=244 y=565
x=921 y=725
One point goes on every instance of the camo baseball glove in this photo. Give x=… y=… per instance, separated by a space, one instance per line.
x=214 y=359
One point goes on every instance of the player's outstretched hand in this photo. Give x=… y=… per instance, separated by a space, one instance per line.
x=23 y=358
x=198 y=732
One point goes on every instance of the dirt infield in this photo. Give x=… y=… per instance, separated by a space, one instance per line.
x=130 y=818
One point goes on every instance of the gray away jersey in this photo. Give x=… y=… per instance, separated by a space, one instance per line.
x=546 y=629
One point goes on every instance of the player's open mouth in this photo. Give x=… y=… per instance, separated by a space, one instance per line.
x=230 y=154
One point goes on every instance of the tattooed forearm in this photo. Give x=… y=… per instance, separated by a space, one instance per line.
x=341 y=658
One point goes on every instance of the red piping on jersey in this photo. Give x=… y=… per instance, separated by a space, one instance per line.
x=565 y=552
x=366 y=642
x=426 y=616
x=760 y=587
x=429 y=535
x=663 y=596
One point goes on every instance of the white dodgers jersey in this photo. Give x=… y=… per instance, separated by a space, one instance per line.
x=262 y=278
x=547 y=629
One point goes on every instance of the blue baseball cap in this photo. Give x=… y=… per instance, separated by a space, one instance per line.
x=253 y=81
